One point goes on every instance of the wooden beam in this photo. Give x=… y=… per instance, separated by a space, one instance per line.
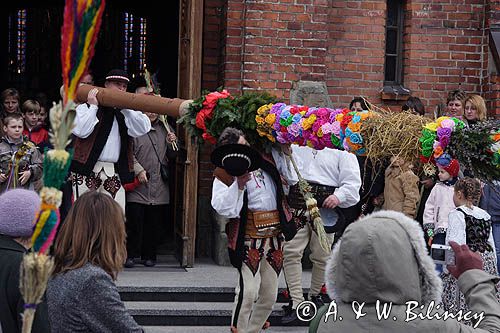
x=189 y=86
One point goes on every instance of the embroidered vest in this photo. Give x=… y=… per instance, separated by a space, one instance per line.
x=477 y=232
x=87 y=151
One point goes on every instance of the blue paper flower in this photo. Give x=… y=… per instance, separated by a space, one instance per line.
x=296 y=118
x=356 y=138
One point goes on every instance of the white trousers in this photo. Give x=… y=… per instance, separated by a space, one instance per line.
x=292 y=265
x=103 y=180
x=256 y=293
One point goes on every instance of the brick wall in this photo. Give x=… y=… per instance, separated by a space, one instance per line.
x=270 y=44
x=444 y=47
x=214 y=39
x=492 y=83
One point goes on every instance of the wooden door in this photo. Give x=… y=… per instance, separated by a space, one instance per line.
x=188 y=87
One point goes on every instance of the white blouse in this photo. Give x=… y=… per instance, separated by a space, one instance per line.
x=137 y=124
x=261 y=190
x=457 y=226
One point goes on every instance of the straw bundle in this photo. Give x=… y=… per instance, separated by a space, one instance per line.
x=36 y=269
x=391 y=134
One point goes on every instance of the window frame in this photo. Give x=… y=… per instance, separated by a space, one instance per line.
x=398 y=77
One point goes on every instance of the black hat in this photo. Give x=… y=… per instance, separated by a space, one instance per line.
x=117 y=75
x=236 y=159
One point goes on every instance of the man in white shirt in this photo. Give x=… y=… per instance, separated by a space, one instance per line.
x=335 y=179
x=259 y=223
x=103 y=156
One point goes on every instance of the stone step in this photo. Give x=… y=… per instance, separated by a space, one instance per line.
x=189 y=313
x=217 y=329
x=185 y=294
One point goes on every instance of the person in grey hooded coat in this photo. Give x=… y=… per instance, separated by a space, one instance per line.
x=383 y=257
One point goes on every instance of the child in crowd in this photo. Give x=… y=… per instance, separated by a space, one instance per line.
x=440 y=201
x=455 y=103
x=20 y=160
x=42 y=118
x=18 y=209
x=11 y=100
x=401 y=188
x=32 y=129
x=9 y=103
x=468 y=224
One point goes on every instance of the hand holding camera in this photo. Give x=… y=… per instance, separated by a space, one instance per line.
x=465 y=259
x=457 y=258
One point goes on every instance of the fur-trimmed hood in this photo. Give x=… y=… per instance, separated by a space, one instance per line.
x=382 y=257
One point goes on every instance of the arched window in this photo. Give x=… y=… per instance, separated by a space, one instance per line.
x=17 y=42
x=134 y=46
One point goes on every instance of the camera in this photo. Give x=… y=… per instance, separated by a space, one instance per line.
x=442 y=254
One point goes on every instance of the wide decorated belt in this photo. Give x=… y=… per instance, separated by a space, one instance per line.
x=263 y=224
x=319 y=192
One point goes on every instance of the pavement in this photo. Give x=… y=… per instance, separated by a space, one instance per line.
x=205 y=273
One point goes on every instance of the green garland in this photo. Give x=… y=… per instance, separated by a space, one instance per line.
x=472 y=147
x=236 y=112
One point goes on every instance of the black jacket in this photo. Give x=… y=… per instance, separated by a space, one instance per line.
x=11 y=301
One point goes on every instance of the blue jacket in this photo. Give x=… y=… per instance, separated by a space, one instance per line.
x=490 y=201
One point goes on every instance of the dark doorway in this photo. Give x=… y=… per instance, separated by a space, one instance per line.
x=30 y=36
x=133 y=35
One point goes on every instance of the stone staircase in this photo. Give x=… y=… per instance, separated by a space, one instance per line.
x=168 y=298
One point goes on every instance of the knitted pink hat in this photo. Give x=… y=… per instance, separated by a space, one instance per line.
x=18 y=210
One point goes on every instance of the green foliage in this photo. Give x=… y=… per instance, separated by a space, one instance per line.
x=472 y=147
x=238 y=112
x=247 y=105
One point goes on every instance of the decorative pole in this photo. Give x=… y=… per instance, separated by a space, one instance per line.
x=82 y=20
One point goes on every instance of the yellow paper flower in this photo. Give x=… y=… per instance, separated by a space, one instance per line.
x=308 y=122
x=259 y=120
x=264 y=109
x=339 y=117
x=319 y=134
x=365 y=115
x=354 y=127
x=432 y=126
x=271 y=138
x=270 y=119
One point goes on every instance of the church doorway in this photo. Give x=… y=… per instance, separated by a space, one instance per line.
x=133 y=36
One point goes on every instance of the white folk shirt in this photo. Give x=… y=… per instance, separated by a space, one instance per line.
x=137 y=124
x=331 y=167
x=456 y=231
x=261 y=190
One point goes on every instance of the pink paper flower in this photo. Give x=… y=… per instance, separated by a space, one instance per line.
x=448 y=123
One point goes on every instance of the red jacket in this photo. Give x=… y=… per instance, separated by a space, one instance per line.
x=37 y=135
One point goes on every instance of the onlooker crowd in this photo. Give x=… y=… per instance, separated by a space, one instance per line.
x=120 y=169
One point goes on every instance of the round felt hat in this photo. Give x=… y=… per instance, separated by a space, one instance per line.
x=236 y=159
